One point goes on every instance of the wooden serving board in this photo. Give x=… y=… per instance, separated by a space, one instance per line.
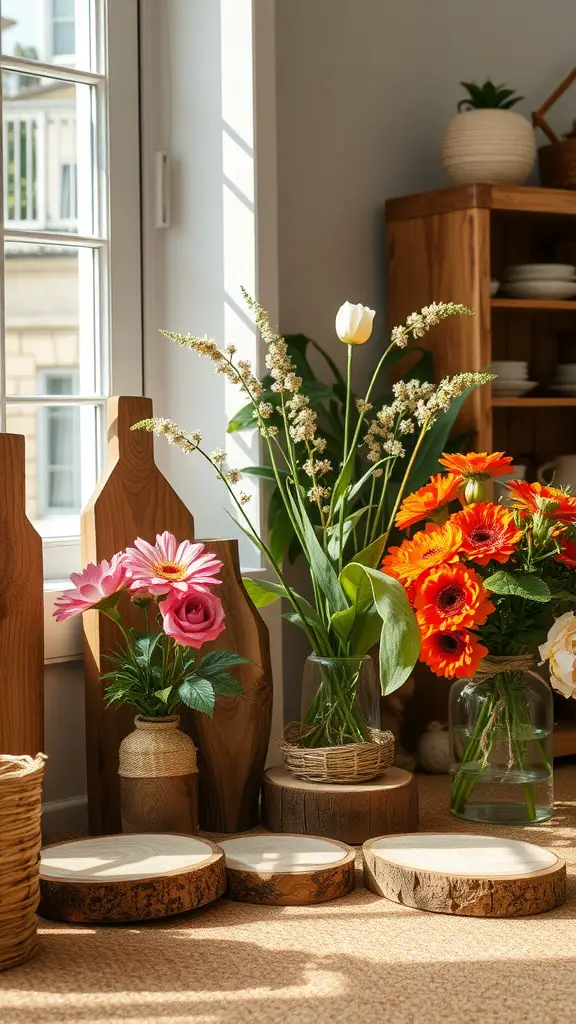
x=349 y=813
x=468 y=875
x=21 y=610
x=129 y=877
x=132 y=500
x=287 y=870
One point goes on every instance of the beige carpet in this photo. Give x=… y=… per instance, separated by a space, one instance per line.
x=355 y=961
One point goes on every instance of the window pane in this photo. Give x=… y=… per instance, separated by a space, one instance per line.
x=48 y=155
x=53 y=31
x=61 y=462
x=50 y=320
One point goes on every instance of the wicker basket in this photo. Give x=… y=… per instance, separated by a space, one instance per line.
x=352 y=762
x=557 y=162
x=20 y=840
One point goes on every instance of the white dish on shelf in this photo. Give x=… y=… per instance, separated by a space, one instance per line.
x=540 y=289
x=564 y=389
x=494 y=286
x=513 y=388
x=565 y=371
x=510 y=369
x=540 y=272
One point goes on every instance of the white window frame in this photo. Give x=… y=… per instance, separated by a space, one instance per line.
x=43 y=439
x=119 y=316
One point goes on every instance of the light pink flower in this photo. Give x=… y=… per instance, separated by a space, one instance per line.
x=192 y=619
x=169 y=567
x=91 y=586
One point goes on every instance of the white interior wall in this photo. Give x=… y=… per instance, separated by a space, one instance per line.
x=364 y=90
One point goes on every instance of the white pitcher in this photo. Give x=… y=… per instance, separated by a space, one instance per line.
x=561 y=471
x=501 y=492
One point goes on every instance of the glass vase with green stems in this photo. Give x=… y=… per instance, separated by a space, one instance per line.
x=500 y=734
x=340 y=701
x=353 y=605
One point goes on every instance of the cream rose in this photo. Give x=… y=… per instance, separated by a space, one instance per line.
x=560 y=652
x=354 y=323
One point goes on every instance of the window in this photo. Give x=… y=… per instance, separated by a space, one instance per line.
x=63 y=28
x=70 y=287
x=58 y=454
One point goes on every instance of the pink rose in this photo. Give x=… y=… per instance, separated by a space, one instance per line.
x=192 y=619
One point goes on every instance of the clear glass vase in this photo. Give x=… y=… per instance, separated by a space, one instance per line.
x=500 y=742
x=340 y=701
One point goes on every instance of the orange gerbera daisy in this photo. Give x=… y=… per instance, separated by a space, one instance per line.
x=454 y=655
x=451 y=597
x=427 y=548
x=476 y=464
x=488 y=531
x=551 y=501
x=435 y=495
x=568 y=553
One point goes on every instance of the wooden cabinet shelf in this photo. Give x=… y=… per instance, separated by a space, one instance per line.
x=545 y=305
x=448 y=245
x=534 y=403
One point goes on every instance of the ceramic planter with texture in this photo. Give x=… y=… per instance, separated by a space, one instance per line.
x=495 y=146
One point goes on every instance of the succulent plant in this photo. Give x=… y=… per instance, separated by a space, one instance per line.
x=487 y=96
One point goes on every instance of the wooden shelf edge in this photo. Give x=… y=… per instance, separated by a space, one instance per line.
x=533 y=403
x=564 y=740
x=535 y=304
x=512 y=198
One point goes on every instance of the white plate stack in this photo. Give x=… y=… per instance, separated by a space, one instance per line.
x=540 y=281
x=564 y=382
x=512 y=379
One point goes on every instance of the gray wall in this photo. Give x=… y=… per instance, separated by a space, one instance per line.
x=364 y=90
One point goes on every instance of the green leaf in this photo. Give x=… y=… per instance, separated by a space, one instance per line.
x=400 y=636
x=361 y=625
x=342 y=623
x=371 y=555
x=333 y=532
x=163 y=695
x=530 y=587
x=144 y=646
x=198 y=693
x=262 y=592
x=244 y=419
x=264 y=472
x=280 y=529
x=226 y=686
x=215 y=661
x=320 y=565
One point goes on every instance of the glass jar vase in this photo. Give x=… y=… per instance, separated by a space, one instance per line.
x=340 y=701
x=500 y=743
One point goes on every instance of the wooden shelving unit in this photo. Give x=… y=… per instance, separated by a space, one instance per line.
x=447 y=245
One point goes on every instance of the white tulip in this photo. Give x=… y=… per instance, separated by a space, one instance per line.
x=560 y=651
x=354 y=323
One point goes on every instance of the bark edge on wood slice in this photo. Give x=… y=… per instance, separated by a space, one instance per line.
x=325 y=872
x=465 y=875
x=148 y=892
x=348 y=813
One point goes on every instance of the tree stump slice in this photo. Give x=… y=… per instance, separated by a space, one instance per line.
x=467 y=875
x=349 y=813
x=287 y=870
x=164 y=803
x=135 y=877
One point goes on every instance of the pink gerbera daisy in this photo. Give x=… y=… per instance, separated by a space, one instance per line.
x=168 y=566
x=92 y=586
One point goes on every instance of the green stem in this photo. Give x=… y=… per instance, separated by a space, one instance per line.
x=345 y=455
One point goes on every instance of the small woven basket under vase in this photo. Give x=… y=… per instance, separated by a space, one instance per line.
x=350 y=763
x=20 y=841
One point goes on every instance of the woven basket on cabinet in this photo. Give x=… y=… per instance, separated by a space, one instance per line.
x=20 y=840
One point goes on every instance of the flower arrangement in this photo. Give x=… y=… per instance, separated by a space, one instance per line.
x=158 y=669
x=487 y=584
x=353 y=603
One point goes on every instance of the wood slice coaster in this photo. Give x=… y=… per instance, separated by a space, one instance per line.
x=470 y=875
x=129 y=877
x=351 y=813
x=287 y=870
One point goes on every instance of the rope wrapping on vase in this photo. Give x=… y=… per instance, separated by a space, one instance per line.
x=156 y=749
x=490 y=668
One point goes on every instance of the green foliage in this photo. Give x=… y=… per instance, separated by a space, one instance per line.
x=156 y=674
x=515 y=584
x=488 y=97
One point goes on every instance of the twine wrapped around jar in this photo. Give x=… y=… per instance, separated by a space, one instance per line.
x=20 y=840
x=155 y=749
